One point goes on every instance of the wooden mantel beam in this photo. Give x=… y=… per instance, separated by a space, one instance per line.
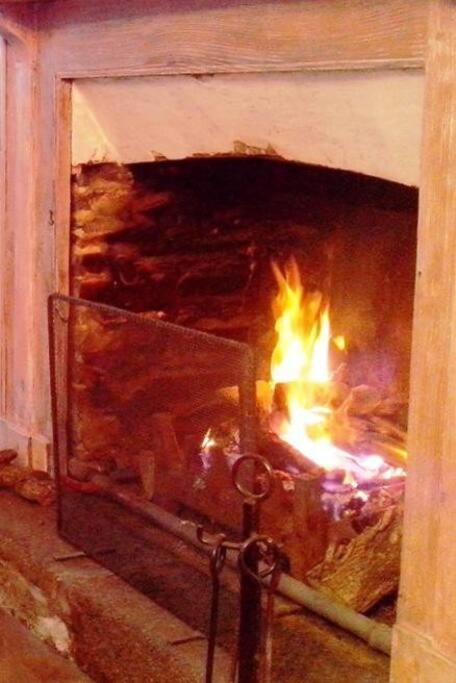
x=191 y=36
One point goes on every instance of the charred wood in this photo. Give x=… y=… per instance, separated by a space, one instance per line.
x=282 y=456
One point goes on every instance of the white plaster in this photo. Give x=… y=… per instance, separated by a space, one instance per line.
x=369 y=122
x=53 y=629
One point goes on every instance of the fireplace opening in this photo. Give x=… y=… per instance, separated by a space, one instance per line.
x=310 y=268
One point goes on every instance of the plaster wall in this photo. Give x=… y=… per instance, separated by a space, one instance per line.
x=368 y=122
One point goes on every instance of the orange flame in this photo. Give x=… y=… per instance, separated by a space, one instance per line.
x=302 y=326
x=300 y=362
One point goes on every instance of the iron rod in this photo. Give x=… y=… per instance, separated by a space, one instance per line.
x=249 y=643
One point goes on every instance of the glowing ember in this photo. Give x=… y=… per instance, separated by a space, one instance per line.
x=208 y=441
x=300 y=364
x=339 y=342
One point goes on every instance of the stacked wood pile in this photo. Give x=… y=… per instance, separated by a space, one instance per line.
x=162 y=247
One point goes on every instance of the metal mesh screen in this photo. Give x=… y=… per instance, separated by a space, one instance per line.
x=148 y=418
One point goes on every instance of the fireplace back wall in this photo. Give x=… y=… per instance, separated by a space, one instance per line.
x=192 y=242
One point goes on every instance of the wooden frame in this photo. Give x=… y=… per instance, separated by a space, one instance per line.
x=2 y=218
x=207 y=37
x=18 y=32
x=61 y=218
x=425 y=643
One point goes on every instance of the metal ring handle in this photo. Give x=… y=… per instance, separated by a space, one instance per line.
x=265 y=546
x=245 y=492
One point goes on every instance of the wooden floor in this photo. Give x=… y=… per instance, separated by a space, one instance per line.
x=25 y=659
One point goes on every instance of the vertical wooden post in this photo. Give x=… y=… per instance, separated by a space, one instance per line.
x=2 y=224
x=425 y=636
x=19 y=243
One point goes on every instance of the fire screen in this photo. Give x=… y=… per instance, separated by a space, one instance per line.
x=143 y=413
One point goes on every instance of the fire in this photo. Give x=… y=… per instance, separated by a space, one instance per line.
x=208 y=441
x=302 y=326
x=300 y=365
x=339 y=342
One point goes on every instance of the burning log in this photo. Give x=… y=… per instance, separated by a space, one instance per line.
x=361 y=569
x=359 y=425
x=387 y=428
x=310 y=524
x=393 y=452
x=362 y=400
x=282 y=456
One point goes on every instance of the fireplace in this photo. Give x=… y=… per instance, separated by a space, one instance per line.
x=309 y=97
x=313 y=270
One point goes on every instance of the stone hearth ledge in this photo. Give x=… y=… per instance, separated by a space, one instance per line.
x=84 y=611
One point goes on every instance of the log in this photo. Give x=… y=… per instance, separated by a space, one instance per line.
x=162 y=465
x=223 y=307
x=294 y=516
x=209 y=490
x=282 y=456
x=33 y=485
x=387 y=428
x=10 y=475
x=360 y=572
x=393 y=452
x=82 y=470
x=7 y=455
x=362 y=400
x=36 y=489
